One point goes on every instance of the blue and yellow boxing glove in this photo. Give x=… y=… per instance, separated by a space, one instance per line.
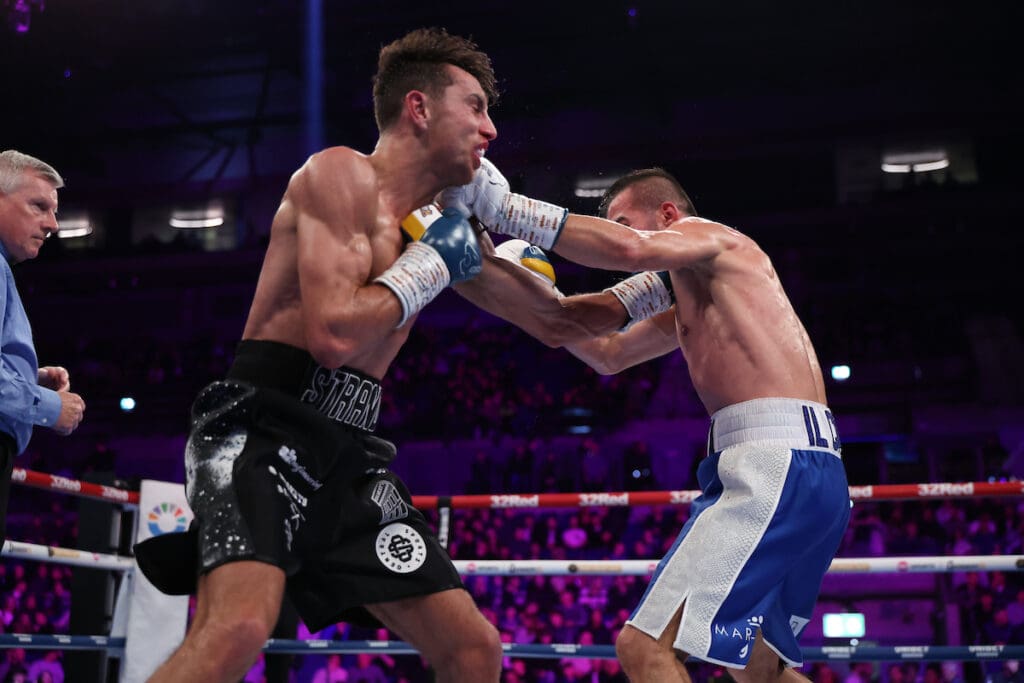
x=444 y=251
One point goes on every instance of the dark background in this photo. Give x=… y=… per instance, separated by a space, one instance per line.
x=775 y=117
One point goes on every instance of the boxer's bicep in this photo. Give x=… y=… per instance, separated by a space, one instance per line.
x=334 y=214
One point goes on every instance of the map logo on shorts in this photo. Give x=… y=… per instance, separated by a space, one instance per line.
x=390 y=502
x=167 y=518
x=400 y=548
x=745 y=633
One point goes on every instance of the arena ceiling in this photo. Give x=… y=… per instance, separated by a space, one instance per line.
x=142 y=95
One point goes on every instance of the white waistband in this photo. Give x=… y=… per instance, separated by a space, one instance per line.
x=796 y=423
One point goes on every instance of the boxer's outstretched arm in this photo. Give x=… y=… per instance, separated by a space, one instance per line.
x=642 y=342
x=587 y=240
x=513 y=293
x=600 y=243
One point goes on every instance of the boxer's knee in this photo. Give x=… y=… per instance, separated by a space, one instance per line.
x=633 y=648
x=229 y=642
x=478 y=658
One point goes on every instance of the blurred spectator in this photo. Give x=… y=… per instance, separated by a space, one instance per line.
x=13 y=663
x=1015 y=613
x=480 y=474
x=594 y=466
x=368 y=669
x=983 y=534
x=823 y=673
x=47 y=669
x=332 y=671
x=861 y=672
x=1008 y=672
x=897 y=674
x=932 y=673
x=519 y=471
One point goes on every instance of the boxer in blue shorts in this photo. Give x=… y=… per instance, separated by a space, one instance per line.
x=740 y=582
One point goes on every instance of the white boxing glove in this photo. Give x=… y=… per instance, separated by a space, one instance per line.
x=482 y=197
x=524 y=254
x=488 y=198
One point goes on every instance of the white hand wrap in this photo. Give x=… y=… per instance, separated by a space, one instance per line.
x=532 y=220
x=644 y=295
x=415 y=278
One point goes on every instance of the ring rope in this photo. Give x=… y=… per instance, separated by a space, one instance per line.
x=68 y=556
x=844 y=565
x=36 y=641
x=53 y=482
x=50 y=554
x=935 y=491
x=858 y=653
x=942 y=490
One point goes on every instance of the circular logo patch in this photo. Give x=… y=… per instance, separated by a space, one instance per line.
x=166 y=518
x=401 y=548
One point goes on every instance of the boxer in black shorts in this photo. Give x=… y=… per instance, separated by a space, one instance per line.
x=290 y=488
x=283 y=468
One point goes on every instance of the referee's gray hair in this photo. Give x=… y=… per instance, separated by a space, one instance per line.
x=13 y=164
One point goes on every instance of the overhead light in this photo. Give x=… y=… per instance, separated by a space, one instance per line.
x=79 y=226
x=915 y=162
x=896 y=168
x=593 y=186
x=931 y=166
x=197 y=222
x=211 y=216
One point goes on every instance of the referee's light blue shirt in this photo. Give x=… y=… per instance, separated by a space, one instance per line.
x=23 y=403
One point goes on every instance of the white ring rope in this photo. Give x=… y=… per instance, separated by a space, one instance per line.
x=843 y=565
x=51 y=554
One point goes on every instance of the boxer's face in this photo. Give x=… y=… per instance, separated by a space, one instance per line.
x=624 y=209
x=627 y=209
x=462 y=124
x=28 y=215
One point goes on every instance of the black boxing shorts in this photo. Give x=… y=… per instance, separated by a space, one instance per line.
x=282 y=468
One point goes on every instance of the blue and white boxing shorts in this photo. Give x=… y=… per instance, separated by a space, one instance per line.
x=773 y=508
